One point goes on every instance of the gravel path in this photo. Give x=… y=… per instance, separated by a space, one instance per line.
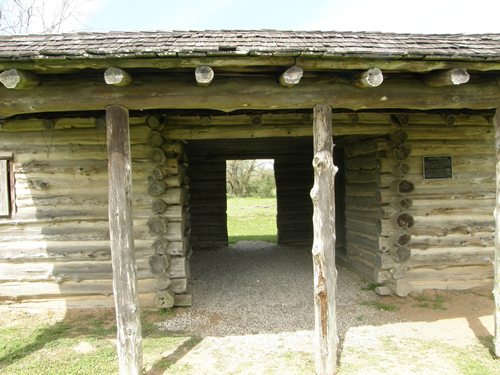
x=257 y=287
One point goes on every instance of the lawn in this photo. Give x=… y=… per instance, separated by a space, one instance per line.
x=251 y=219
x=83 y=344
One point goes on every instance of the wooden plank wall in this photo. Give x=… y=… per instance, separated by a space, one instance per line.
x=293 y=175
x=208 y=202
x=55 y=247
x=409 y=233
x=294 y=180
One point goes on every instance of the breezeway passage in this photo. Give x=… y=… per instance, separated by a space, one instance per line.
x=256 y=287
x=252 y=313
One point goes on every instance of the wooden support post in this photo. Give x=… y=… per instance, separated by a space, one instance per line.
x=370 y=78
x=18 y=79
x=117 y=77
x=291 y=76
x=128 y=323
x=323 y=250
x=448 y=77
x=496 y=287
x=204 y=75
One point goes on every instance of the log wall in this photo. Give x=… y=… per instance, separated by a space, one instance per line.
x=410 y=233
x=207 y=176
x=55 y=247
x=294 y=180
x=208 y=202
x=401 y=230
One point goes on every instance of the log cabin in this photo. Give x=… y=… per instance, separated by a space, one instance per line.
x=99 y=130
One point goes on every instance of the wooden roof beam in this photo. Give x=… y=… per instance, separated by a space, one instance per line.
x=18 y=79
x=291 y=76
x=450 y=77
x=367 y=79
x=117 y=77
x=204 y=75
x=249 y=93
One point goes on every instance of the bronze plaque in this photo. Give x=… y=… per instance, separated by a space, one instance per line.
x=438 y=167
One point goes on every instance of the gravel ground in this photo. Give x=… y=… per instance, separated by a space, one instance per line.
x=257 y=287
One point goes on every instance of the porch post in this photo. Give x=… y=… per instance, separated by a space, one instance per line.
x=323 y=250
x=128 y=323
x=496 y=287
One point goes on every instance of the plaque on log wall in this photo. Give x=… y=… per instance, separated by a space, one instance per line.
x=438 y=167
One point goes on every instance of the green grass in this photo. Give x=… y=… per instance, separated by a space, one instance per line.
x=251 y=219
x=380 y=305
x=37 y=347
x=435 y=303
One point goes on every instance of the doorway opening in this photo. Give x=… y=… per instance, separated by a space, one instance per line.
x=251 y=200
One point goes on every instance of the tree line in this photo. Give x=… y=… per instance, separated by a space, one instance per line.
x=250 y=178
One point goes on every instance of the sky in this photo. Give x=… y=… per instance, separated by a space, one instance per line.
x=414 y=16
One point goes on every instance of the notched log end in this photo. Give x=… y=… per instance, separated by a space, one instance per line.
x=291 y=76
x=204 y=75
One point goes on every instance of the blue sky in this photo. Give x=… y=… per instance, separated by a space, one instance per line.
x=415 y=16
x=421 y=16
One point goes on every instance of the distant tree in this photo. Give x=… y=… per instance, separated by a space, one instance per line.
x=238 y=175
x=36 y=16
x=250 y=178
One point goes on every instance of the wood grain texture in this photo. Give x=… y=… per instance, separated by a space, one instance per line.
x=128 y=322
x=323 y=250
x=230 y=94
x=4 y=188
x=496 y=288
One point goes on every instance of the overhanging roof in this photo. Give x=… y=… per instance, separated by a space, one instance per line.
x=479 y=47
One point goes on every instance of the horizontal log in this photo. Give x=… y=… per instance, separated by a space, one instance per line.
x=62 y=271
x=362 y=162
x=204 y=75
x=453 y=147
x=229 y=94
x=63 y=303
x=415 y=119
x=117 y=77
x=368 y=79
x=479 y=281
x=63 y=137
x=291 y=76
x=451 y=273
x=83 y=288
x=92 y=230
x=450 y=77
x=73 y=153
x=440 y=258
x=222 y=60
x=31 y=251
x=19 y=79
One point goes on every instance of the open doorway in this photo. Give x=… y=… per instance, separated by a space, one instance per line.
x=251 y=200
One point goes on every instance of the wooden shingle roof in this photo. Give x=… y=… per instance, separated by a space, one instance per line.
x=480 y=47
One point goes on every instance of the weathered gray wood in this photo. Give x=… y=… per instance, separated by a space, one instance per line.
x=54 y=65
x=159 y=92
x=4 y=189
x=117 y=77
x=496 y=288
x=291 y=76
x=128 y=322
x=369 y=78
x=164 y=299
x=450 y=77
x=323 y=250
x=18 y=79
x=204 y=75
